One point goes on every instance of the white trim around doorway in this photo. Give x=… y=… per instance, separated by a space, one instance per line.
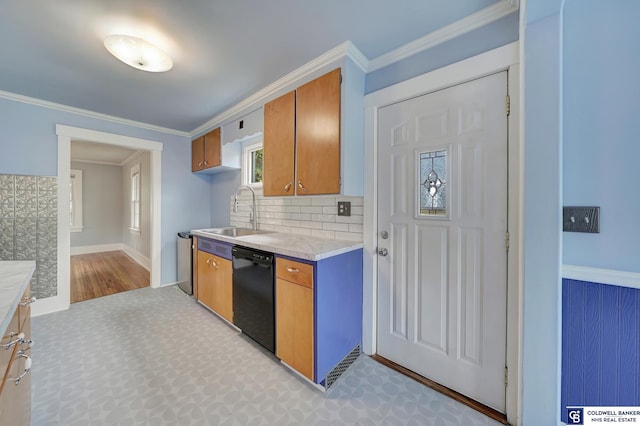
x=65 y=135
x=500 y=59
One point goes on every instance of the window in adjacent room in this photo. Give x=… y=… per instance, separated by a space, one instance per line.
x=75 y=201
x=135 y=199
x=252 y=163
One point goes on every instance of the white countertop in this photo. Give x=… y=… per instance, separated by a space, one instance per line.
x=14 y=278
x=300 y=246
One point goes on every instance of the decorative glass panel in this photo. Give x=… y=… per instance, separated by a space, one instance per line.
x=433 y=185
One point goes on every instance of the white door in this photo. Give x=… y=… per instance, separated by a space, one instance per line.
x=442 y=223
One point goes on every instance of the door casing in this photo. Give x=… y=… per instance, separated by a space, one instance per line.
x=500 y=59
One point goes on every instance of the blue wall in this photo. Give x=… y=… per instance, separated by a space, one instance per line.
x=496 y=34
x=29 y=145
x=600 y=347
x=542 y=227
x=601 y=128
x=223 y=186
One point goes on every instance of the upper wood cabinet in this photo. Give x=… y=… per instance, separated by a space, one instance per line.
x=205 y=151
x=209 y=154
x=302 y=139
x=279 y=145
x=318 y=135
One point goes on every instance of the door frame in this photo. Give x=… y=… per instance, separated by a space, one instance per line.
x=503 y=58
x=65 y=135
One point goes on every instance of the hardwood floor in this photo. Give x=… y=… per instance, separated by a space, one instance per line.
x=100 y=274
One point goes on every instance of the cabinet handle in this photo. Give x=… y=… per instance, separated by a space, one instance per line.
x=301 y=186
x=200 y=164
x=19 y=339
x=287 y=187
x=205 y=163
x=214 y=263
x=27 y=367
x=292 y=270
x=27 y=301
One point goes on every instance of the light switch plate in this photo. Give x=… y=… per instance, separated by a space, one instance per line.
x=344 y=208
x=581 y=219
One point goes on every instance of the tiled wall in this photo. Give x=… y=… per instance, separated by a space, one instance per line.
x=28 y=223
x=311 y=215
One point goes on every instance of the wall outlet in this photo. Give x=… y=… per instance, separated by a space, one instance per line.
x=581 y=219
x=344 y=208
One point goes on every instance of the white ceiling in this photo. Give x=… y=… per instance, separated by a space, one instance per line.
x=100 y=153
x=223 y=51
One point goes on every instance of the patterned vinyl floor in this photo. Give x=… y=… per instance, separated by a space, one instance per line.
x=155 y=357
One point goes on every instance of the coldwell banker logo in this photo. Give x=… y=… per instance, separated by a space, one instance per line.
x=575 y=415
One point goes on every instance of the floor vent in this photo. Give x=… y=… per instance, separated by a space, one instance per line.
x=342 y=366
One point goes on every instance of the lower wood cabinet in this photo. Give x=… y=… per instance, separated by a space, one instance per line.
x=319 y=314
x=215 y=282
x=15 y=399
x=294 y=315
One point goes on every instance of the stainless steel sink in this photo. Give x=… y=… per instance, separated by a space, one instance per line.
x=234 y=232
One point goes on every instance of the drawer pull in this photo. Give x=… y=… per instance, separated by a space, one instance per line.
x=292 y=270
x=27 y=301
x=19 y=339
x=27 y=367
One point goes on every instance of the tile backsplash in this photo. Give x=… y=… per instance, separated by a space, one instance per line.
x=29 y=223
x=305 y=215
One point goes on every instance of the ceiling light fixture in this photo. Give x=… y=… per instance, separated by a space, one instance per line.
x=138 y=53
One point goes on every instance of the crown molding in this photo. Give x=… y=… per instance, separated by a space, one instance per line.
x=91 y=114
x=346 y=49
x=474 y=21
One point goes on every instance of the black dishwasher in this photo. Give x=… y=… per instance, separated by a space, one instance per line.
x=253 y=295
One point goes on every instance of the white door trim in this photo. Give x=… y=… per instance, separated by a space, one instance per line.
x=500 y=59
x=65 y=134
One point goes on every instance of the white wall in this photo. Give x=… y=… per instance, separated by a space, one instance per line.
x=102 y=204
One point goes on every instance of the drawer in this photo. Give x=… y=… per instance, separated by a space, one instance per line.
x=295 y=272
x=25 y=310
x=215 y=247
x=9 y=335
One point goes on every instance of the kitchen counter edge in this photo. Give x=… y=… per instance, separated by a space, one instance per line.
x=293 y=245
x=14 y=278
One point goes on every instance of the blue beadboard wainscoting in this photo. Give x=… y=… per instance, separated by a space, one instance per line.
x=600 y=339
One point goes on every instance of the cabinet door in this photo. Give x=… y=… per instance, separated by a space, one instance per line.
x=206 y=280
x=279 y=145
x=212 y=149
x=223 y=288
x=318 y=136
x=294 y=326
x=197 y=154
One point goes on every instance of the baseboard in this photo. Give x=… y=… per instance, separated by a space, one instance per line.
x=100 y=248
x=601 y=276
x=49 y=305
x=141 y=259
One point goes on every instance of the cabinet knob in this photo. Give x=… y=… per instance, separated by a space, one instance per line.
x=301 y=186
x=27 y=367
x=27 y=301
x=287 y=187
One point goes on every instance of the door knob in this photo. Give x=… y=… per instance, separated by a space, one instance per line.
x=383 y=252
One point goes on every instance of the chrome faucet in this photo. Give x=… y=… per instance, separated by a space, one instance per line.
x=252 y=216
